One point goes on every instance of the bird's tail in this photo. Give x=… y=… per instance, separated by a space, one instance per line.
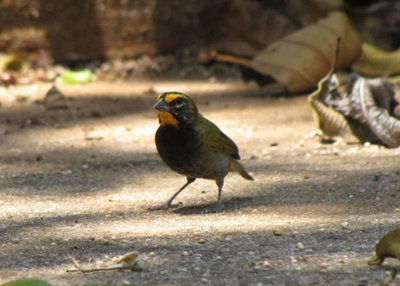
x=237 y=167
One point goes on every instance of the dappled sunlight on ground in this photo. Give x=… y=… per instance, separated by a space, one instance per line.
x=79 y=181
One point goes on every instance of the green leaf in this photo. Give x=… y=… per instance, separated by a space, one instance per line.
x=26 y=282
x=76 y=77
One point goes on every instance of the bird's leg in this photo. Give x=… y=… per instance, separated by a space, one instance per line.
x=168 y=203
x=220 y=184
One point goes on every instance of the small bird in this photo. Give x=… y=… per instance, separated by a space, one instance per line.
x=192 y=145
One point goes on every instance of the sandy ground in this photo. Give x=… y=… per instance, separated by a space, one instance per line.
x=79 y=180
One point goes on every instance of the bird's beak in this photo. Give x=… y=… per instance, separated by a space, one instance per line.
x=161 y=105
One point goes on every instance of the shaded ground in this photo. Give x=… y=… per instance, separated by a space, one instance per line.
x=78 y=181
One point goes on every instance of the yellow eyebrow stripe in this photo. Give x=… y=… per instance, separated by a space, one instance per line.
x=171 y=96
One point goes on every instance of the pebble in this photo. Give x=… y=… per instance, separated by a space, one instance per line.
x=185 y=253
x=152 y=254
x=300 y=246
x=3 y=246
x=201 y=240
x=323 y=265
x=204 y=280
x=15 y=240
x=345 y=225
x=266 y=263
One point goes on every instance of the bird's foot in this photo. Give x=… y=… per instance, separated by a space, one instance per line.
x=164 y=206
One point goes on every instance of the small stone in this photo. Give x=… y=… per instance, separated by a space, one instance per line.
x=300 y=246
x=309 y=250
x=152 y=254
x=266 y=263
x=323 y=265
x=345 y=225
x=201 y=240
x=3 y=246
x=204 y=280
x=197 y=269
x=185 y=253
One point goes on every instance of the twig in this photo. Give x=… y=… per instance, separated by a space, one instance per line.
x=74 y=261
x=86 y=270
x=132 y=268
x=230 y=59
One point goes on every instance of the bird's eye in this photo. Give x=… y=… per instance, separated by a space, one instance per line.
x=179 y=102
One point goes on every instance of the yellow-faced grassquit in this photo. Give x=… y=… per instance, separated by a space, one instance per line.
x=192 y=145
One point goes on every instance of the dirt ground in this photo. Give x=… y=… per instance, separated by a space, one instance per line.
x=79 y=180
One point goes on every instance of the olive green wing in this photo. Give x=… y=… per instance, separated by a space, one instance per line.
x=214 y=139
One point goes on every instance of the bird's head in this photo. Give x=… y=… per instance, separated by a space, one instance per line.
x=176 y=109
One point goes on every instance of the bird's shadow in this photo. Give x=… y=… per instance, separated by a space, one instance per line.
x=231 y=205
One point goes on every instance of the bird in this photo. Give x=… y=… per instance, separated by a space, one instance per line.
x=193 y=146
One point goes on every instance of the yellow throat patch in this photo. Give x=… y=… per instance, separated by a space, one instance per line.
x=166 y=118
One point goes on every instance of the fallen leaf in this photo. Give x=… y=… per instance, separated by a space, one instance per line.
x=26 y=282
x=76 y=77
x=127 y=258
x=388 y=246
x=376 y=62
x=301 y=59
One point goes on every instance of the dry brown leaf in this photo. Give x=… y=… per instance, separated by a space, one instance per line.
x=376 y=62
x=127 y=258
x=301 y=59
x=388 y=246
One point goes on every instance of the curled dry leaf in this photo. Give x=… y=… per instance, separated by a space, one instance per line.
x=301 y=59
x=376 y=62
x=388 y=246
x=360 y=110
x=127 y=258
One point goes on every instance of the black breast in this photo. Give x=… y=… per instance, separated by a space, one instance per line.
x=177 y=146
